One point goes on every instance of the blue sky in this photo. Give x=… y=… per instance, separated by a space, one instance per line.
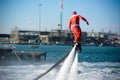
x=24 y=14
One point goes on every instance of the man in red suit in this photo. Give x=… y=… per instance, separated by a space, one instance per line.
x=74 y=27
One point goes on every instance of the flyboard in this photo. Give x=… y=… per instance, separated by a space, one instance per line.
x=64 y=69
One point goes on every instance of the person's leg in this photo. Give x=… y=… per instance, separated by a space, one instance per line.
x=77 y=33
x=77 y=37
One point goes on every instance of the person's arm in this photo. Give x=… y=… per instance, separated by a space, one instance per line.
x=84 y=20
x=69 y=26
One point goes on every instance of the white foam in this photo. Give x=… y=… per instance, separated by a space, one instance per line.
x=99 y=71
x=89 y=71
x=87 y=64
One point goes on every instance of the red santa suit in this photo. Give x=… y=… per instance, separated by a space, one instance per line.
x=74 y=25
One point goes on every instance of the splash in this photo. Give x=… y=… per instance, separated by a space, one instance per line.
x=73 y=70
x=66 y=66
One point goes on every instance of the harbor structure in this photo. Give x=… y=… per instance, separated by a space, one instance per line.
x=24 y=37
x=59 y=37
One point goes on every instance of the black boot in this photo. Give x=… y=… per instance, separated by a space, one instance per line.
x=78 y=47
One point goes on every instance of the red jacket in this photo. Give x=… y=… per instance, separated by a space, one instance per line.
x=74 y=21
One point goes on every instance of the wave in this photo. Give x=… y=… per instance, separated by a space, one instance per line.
x=86 y=71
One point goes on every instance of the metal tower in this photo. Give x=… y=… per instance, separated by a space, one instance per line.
x=61 y=8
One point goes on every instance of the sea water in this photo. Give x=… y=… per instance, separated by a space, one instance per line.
x=95 y=63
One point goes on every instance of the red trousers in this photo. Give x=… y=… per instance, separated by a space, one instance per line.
x=77 y=33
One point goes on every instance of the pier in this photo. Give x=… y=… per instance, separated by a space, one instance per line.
x=4 y=50
x=11 y=51
x=33 y=55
